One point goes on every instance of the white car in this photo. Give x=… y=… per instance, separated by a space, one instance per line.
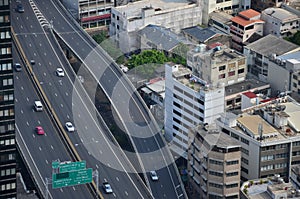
x=70 y=127
x=107 y=188
x=60 y=72
x=154 y=175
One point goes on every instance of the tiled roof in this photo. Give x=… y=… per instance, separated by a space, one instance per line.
x=249 y=13
x=250 y=94
x=201 y=34
x=243 y=22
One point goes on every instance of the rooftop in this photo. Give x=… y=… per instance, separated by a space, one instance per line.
x=271 y=44
x=280 y=14
x=245 y=22
x=250 y=94
x=162 y=37
x=221 y=17
x=248 y=14
x=201 y=34
x=134 y=9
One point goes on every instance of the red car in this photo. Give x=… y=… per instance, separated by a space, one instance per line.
x=39 y=130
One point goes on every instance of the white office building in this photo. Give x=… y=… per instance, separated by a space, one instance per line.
x=189 y=101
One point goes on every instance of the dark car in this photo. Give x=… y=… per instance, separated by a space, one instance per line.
x=20 y=8
x=18 y=67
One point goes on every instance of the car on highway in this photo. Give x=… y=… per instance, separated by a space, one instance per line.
x=38 y=106
x=39 y=130
x=20 y=8
x=154 y=175
x=60 y=72
x=107 y=188
x=70 y=127
x=18 y=67
x=32 y=61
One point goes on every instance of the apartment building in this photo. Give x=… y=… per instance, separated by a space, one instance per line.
x=269 y=137
x=261 y=51
x=214 y=161
x=7 y=118
x=280 y=22
x=245 y=25
x=285 y=73
x=189 y=101
x=91 y=14
x=127 y=20
x=217 y=66
x=220 y=20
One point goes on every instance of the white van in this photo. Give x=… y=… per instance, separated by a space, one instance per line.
x=38 y=106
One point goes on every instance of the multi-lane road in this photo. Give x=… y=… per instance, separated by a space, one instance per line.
x=38 y=44
x=70 y=103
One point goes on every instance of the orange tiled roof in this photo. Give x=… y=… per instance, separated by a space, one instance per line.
x=243 y=22
x=249 y=13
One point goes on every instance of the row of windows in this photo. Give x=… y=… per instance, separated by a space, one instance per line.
x=6 y=97
x=228 y=186
x=230 y=174
x=7 y=127
x=246 y=161
x=7 y=157
x=215 y=162
x=5 y=35
x=5 y=51
x=215 y=173
x=8 y=172
x=4 y=2
x=9 y=112
x=7 y=142
x=245 y=151
x=5 y=66
x=232 y=162
x=4 y=19
x=219 y=186
x=7 y=82
x=8 y=186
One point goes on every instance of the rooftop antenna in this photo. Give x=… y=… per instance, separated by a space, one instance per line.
x=260 y=130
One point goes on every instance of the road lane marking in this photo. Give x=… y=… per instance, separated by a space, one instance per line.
x=74 y=188
x=22 y=111
x=117 y=179
x=45 y=74
x=39 y=121
x=126 y=193
x=33 y=135
x=55 y=94
x=40 y=148
x=22 y=88
x=27 y=99
x=27 y=123
x=47 y=162
x=62 y=105
x=67 y=94
x=52 y=147
x=97 y=166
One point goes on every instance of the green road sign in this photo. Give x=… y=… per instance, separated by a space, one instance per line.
x=55 y=165
x=71 y=166
x=72 y=178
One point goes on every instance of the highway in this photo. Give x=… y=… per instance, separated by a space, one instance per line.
x=42 y=149
x=39 y=45
x=136 y=120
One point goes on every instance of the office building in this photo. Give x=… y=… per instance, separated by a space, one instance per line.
x=7 y=117
x=269 y=137
x=214 y=161
x=189 y=101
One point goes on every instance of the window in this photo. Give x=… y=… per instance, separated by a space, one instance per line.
x=232 y=162
x=215 y=162
x=240 y=71
x=241 y=62
x=243 y=169
x=280 y=165
x=232 y=174
x=228 y=186
x=267 y=157
x=215 y=173
x=245 y=141
x=3 y=2
x=235 y=136
x=231 y=73
x=222 y=76
x=244 y=160
x=267 y=167
x=5 y=51
x=222 y=67
x=245 y=151
x=219 y=186
x=281 y=155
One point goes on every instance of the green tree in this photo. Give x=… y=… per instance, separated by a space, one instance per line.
x=295 y=38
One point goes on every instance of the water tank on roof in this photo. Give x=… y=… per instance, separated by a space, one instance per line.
x=202 y=47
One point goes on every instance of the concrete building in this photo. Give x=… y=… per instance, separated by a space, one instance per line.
x=127 y=20
x=246 y=24
x=270 y=140
x=261 y=51
x=280 y=22
x=220 y=20
x=160 y=38
x=234 y=92
x=217 y=66
x=269 y=188
x=91 y=14
x=284 y=76
x=207 y=36
x=8 y=148
x=189 y=101
x=214 y=161
x=231 y=7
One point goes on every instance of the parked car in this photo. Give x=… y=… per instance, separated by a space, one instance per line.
x=39 y=130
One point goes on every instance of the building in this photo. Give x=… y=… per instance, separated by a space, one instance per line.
x=219 y=65
x=284 y=76
x=269 y=137
x=280 y=22
x=7 y=118
x=91 y=14
x=220 y=21
x=245 y=25
x=269 y=188
x=231 y=7
x=235 y=92
x=206 y=36
x=261 y=5
x=160 y=38
x=127 y=20
x=214 y=161
x=261 y=51
x=189 y=101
